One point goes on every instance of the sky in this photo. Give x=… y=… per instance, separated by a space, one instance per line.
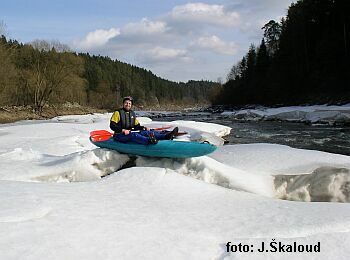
x=176 y=40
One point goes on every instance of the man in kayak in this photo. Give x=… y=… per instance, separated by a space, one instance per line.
x=128 y=129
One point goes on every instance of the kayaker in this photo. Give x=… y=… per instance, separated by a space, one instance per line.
x=128 y=129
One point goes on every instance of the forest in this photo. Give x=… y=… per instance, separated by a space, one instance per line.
x=43 y=73
x=302 y=59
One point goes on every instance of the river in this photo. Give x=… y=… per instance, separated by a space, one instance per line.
x=298 y=135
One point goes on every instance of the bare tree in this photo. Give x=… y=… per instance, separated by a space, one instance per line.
x=272 y=33
x=3 y=28
x=52 y=74
x=44 y=45
x=7 y=76
x=234 y=72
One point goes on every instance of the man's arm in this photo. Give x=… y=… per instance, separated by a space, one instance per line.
x=115 y=123
x=138 y=126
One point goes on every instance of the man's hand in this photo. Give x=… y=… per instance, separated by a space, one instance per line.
x=126 y=132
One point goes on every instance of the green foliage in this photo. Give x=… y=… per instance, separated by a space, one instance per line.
x=121 y=79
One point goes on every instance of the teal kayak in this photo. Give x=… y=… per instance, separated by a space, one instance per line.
x=164 y=148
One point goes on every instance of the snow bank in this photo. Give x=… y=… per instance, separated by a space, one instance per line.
x=197 y=131
x=82 y=119
x=29 y=165
x=303 y=175
x=321 y=114
x=273 y=159
x=60 y=152
x=200 y=131
x=323 y=184
x=214 y=172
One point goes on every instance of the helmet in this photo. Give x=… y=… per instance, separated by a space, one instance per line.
x=128 y=98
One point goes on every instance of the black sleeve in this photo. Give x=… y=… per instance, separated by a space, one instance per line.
x=116 y=127
x=139 y=127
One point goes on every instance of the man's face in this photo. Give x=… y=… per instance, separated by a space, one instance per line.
x=127 y=105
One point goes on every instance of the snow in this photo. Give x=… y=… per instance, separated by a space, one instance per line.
x=317 y=114
x=55 y=205
x=272 y=159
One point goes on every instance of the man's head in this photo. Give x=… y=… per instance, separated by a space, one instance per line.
x=127 y=103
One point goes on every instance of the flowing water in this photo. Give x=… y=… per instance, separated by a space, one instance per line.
x=298 y=135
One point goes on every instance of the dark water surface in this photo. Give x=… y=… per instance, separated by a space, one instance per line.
x=298 y=135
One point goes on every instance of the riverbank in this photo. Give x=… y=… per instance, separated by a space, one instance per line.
x=11 y=114
x=311 y=115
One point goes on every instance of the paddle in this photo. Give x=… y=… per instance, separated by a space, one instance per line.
x=181 y=133
x=105 y=132
x=103 y=135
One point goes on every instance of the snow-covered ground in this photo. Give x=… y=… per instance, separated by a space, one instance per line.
x=318 y=114
x=54 y=204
